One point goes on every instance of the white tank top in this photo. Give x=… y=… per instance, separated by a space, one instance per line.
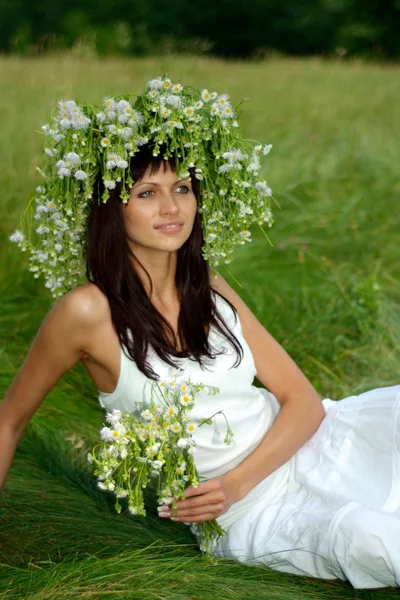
x=250 y=411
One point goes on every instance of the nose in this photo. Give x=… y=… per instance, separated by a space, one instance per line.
x=169 y=204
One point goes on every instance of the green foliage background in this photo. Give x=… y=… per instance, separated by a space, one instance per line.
x=328 y=290
x=226 y=28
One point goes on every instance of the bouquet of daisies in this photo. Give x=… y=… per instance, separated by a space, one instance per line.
x=154 y=445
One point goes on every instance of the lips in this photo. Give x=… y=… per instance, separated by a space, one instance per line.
x=169 y=224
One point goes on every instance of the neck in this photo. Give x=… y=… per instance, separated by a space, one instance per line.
x=161 y=268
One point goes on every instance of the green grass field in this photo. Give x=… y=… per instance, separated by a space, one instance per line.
x=328 y=290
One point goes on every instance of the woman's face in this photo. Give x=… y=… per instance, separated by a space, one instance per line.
x=160 y=213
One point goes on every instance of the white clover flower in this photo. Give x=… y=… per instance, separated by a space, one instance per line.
x=122 y=494
x=136 y=118
x=80 y=175
x=102 y=486
x=42 y=229
x=109 y=184
x=122 y=164
x=157 y=464
x=65 y=124
x=17 y=237
x=101 y=117
x=40 y=189
x=263 y=188
x=111 y=115
x=64 y=172
x=182 y=443
x=125 y=133
x=173 y=101
x=106 y=434
x=225 y=168
x=80 y=121
x=142 y=141
x=112 y=419
x=72 y=158
x=50 y=152
x=155 y=84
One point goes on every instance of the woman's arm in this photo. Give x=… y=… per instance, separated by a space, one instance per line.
x=299 y=417
x=58 y=346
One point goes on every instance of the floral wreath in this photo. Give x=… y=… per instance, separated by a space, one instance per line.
x=199 y=128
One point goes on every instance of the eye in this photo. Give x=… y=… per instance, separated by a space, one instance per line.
x=145 y=194
x=185 y=188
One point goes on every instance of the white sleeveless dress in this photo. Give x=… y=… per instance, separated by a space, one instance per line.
x=333 y=510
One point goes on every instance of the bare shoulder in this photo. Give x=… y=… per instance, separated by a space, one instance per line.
x=84 y=306
x=219 y=284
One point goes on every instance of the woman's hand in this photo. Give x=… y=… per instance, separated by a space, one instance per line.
x=207 y=501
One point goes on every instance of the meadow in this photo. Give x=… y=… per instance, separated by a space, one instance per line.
x=328 y=289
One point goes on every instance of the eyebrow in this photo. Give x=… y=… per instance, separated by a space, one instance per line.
x=157 y=184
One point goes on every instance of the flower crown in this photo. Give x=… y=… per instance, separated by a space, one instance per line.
x=198 y=128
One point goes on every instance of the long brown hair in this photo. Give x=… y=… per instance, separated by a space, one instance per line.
x=110 y=264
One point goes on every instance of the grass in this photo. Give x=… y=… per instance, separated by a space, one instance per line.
x=334 y=171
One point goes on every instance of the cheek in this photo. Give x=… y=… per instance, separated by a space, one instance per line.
x=136 y=217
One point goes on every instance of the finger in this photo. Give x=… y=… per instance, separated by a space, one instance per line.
x=205 y=499
x=202 y=488
x=195 y=518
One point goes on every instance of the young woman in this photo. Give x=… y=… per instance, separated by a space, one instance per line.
x=309 y=487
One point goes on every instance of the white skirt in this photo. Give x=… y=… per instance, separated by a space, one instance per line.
x=340 y=514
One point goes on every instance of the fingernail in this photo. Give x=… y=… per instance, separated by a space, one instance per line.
x=174 y=518
x=164 y=514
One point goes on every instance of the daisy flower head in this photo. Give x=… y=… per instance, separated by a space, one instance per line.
x=109 y=103
x=205 y=96
x=175 y=427
x=181 y=469
x=227 y=112
x=186 y=400
x=189 y=111
x=223 y=99
x=190 y=427
x=166 y=84
x=177 y=87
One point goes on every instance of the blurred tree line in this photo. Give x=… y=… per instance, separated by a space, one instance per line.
x=229 y=28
